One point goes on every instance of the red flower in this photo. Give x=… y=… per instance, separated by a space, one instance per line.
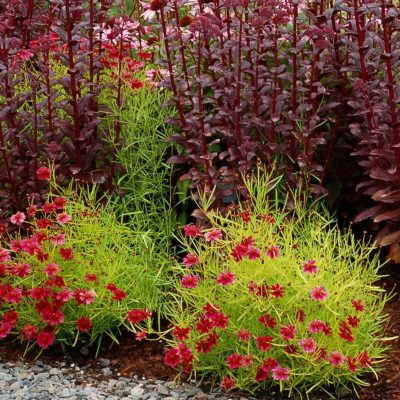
x=67 y=253
x=235 y=361
x=253 y=253
x=228 y=383
x=268 y=321
x=288 y=332
x=316 y=326
x=352 y=363
x=43 y=223
x=273 y=251
x=10 y=317
x=51 y=269
x=21 y=270
x=205 y=345
x=181 y=333
x=264 y=342
x=60 y=202
x=92 y=278
x=45 y=338
x=29 y=332
x=358 y=305
x=345 y=332
x=119 y=294
x=43 y=173
x=353 y=321
x=190 y=281
x=172 y=358
x=49 y=208
x=145 y=55
x=226 y=278
x=363 y=359
x=213 y=235
x=83 y=324
x=192 y=231
x=138 y=315
x=300 y=315
x=277 y=290
x=262 y=374
x=319 y=293
x=245 y=215
x=190 y=260
x=135 y=84
x=4 y=255
x=310 y=267
x=291 y=349
x=5 y=329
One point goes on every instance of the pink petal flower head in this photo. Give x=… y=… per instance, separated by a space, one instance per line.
x=58 y=239
x=84 y=324
x=316 y=326
x=280 y=373
x=4 y=255
x=18 y=218
x=84 y=297
x=63 y=218
x=228 y=383
x=190 y=281
x=172 y=358
x=226 y=278
x=190 y=260
x=60 y=202
x=319 y=293
x=288 y=332
x=254 y=254
x=43 y=173
x=273 y=251
x=51 y=269
x=29 y=332
x=192 y=231
x=213 y=235
x=141 y=335
x=308 y=345
x=21 y=269
x=65 y=295
x=310 y=267
x=244 y=335
x=5 y=329
x=49 y=208
x=336 y=358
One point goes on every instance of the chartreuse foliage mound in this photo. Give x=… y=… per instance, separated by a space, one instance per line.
x=78 y=273
x=276 y=294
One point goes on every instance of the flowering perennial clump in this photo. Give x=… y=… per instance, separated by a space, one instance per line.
x=282 y=300
x=70 y=271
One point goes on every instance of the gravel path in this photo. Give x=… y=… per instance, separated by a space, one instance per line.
x=23 y=381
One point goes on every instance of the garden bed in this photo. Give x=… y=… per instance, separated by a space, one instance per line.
x=145 y=359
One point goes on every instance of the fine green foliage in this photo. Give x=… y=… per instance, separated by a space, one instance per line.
x=276 y=294
x=110 y=270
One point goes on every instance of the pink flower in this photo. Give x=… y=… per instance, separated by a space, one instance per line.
x=141 y=335
x=84 y=297
x=190 y=259
x=213 y=235
x=226 y=278
x=21 y=269
x=4 y=255
x=83 y=324
x=319 y=293
x=273 y=251
x=316 y=326
x=18 y=218
x=64 y=295
x=309 y=267
x=14 y=296
x=51 y=269
x=288 y=332
x=43 y=173
x=228 y=383
x=58 y=240
x=254 y=254
x=280 y=373
x=308 y=345
x=190 y=281
x=63 y=218
x=244 y=335
x=192 y=231
x=29 y=332
x=336 y=358
x=49 y=208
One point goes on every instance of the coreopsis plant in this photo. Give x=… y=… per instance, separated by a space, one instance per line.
x=75 y=273
x=273 y=294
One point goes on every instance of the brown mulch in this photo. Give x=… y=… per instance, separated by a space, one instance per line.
x=131 y=358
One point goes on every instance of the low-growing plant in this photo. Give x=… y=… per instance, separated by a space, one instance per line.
x=274 y=294
x=78 y=272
